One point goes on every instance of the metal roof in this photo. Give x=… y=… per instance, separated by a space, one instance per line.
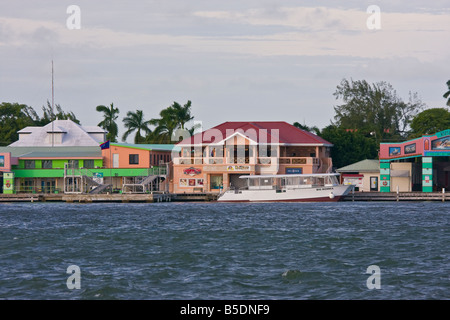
x=366 y=165
x=53 y=152
x=72 y=135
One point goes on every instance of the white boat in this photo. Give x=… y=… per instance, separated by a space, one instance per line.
x=288 y=188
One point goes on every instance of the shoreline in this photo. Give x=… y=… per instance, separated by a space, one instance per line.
x=206 y=197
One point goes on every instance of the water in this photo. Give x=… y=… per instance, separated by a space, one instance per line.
x=215 y=251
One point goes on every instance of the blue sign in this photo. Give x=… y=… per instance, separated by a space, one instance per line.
x=294 y=170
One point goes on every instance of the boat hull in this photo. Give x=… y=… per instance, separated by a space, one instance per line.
x=319 y=194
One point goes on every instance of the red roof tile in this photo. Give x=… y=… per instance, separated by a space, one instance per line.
x=257 y=131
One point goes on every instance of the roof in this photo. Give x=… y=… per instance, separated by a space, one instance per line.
x=259 y=132
x=366 y=165
x=72 y=135
x=53 y=152
x=150 y=147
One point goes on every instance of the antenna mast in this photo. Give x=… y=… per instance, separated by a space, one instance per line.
x=53 y=101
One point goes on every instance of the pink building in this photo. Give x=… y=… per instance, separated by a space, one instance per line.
x=214 y=159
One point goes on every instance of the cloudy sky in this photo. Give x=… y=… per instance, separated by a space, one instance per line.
x=235 y=60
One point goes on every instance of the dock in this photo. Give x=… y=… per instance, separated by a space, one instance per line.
x=204 y=197
x=86 y=198
x=105 y=197
x=22 y=197
x=400 y=196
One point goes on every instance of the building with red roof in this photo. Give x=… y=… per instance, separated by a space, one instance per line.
x=214 y=159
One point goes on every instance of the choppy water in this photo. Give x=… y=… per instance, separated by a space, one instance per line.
x=211 y=251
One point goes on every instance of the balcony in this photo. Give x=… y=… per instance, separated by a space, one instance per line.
x=299 y=160
x=248 y=160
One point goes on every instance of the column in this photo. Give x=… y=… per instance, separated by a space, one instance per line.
x=427 y=174
x=385 y=176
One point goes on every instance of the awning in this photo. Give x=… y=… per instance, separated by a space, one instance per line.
x=400 y=173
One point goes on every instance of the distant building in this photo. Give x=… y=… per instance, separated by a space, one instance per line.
x=417 y=164
x=364 y=175
x=42 y=169
x=60 y=133
x=65 y=157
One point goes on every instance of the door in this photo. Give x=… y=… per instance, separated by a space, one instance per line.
x=115 y=160
x=373 y=183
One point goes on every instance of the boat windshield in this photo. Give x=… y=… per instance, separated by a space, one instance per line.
x=288 y=182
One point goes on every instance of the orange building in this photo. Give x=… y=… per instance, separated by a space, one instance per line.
x=214 y=159
x=134 y=165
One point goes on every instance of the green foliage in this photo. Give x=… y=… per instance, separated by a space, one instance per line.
x=172 y=119
x=375 y=109
x=349 y=147
x=313 y=129
x=14 y=117
x=430 y=121
x=49 y=115
x=134 y=121
x=108 y=123
x=447 y=94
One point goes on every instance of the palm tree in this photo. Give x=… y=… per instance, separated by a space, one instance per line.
x=171 y=119
x=108 y=123
x=182 y=114
x=134 y=121
x=447 y=94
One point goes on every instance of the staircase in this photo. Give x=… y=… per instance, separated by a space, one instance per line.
x=80 y=181
x=146 y=181
x=100 y=188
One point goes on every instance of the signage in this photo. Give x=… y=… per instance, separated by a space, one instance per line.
x=441 y=144
x=8 y=182
x=394 y=151
x=238 y=168
x=410 y=148
x=190 y=182
x=443 y=133
x=356 y=181
x=98 y=177
x=192 y=171
x=294 y=170
x=2 y=161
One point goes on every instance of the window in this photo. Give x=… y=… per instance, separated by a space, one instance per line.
x=134 y=159
x=47 y=164
x=89 y=164
x=30 y=164
x=73 y=164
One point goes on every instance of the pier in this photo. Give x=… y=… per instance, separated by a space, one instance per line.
x=397 y=196
x=105 y=197
x=204 y=197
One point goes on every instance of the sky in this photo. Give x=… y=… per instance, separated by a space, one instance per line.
x=241 y=60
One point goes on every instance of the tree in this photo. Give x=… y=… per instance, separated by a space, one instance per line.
x=375 y=109
x=165 y=127
x=134 y=121
x=171 y=119
x=108 y=123
x=14 y=117
x=49 y=115
x=182 y=114
x=349 y=147
x=313 y=129
x=430 y=121
x=447 y=94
